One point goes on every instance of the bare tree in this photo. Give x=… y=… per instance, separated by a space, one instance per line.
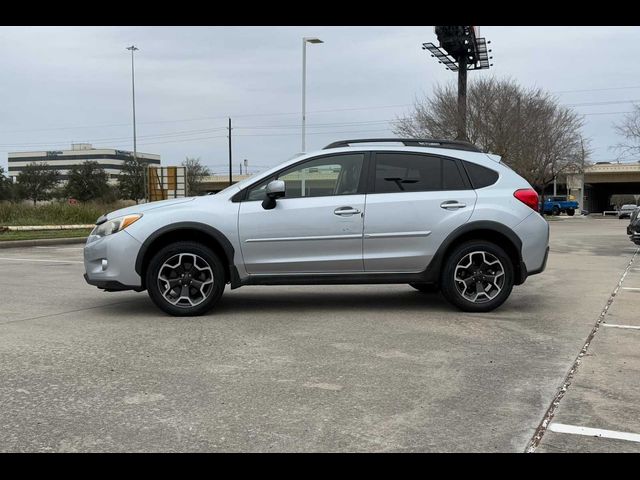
x=195 y=172
x=533 y=134
x=629 y=128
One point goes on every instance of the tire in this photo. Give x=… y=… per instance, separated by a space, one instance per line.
x=571 y=212
x=204 y=272
x=481 y=258
x=426 y=287
x=555 y=210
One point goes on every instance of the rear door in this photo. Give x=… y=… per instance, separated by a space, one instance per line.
x=414 y=201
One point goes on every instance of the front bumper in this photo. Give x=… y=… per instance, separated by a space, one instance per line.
x=110 y=285
x=109 y=262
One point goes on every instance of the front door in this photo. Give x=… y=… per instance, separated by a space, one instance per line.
x=316 y=228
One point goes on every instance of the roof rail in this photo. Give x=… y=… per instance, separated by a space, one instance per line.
x=410 y=142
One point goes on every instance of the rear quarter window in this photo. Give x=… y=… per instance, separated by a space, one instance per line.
x=480 y=176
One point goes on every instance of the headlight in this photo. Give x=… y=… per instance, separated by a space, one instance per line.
x=115 y=225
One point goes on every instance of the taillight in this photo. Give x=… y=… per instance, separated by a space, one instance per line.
x=528 y=196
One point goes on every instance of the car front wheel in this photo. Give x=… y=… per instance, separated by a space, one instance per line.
x=477 y=276
x=185 y=279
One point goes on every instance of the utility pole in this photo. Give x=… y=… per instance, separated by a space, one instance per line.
x=462 y=98
x=230 y=162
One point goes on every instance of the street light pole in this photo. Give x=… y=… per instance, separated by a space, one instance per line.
x=133 y=48
x=305 y=40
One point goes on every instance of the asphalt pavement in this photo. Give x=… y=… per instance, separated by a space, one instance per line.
x=323 y=368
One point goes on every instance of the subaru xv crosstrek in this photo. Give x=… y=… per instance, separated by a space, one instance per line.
x=434 y=214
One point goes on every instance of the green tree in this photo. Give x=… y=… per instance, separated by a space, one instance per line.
x=195 y=173
x=87 y=181
x=36 y=181
x=132 y=180
x=5 y=186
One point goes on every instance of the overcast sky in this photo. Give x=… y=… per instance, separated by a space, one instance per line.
x=73 y=84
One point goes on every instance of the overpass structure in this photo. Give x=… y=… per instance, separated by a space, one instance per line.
x=215 y=183
x=593 y=188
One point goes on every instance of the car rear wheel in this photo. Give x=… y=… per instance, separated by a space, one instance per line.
x=185 y=279
x=571 y=212
x=477 y=276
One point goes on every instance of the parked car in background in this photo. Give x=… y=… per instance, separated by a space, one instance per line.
x=558 y=205
x=626 y=211
x=434 y=214
x=633 y=229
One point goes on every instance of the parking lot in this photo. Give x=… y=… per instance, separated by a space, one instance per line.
x=324 y=368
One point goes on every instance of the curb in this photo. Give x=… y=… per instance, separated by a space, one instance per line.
x=41 y=242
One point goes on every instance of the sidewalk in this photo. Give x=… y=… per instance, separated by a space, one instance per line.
x=600 y=411
x=41 y=242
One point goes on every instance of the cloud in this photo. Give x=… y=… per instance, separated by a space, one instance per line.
x=192 y=78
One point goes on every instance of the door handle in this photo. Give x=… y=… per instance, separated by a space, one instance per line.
x=343 y=211
x=452 y=204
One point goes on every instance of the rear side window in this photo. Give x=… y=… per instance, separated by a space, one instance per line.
x=480 y=176
x=402 y=172
x=451 y=176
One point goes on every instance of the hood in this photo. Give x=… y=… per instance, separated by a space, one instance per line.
x=145 y=207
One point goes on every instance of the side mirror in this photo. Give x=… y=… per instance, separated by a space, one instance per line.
x=275 y=189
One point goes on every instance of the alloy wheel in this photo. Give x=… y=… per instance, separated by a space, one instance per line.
x=185 y=280
x=479 y=277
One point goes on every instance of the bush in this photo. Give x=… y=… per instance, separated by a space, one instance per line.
x=55 y=213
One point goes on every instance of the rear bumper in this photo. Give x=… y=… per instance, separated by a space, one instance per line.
x=533 y=232
x=544 y=264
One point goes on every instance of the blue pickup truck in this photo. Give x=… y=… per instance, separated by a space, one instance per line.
x=558 y=205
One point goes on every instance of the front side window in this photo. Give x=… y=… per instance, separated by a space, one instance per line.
x=330 y=175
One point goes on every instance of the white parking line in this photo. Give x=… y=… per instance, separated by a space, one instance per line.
x=594 y=432
x=634 y=327
x=631 y=288
x=37 y=260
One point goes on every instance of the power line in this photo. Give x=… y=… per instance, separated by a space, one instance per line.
x=597 y=89
x=187 y=133
x=98 y=140
x=210 y=118
x=590 y=104
x=605 y=113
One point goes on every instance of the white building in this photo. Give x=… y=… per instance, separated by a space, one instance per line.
x=110 y=160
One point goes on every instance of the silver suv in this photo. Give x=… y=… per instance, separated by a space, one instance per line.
x=434 y=214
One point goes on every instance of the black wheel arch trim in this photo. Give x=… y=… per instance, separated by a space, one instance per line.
x=224 y=242
x=435 y=266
